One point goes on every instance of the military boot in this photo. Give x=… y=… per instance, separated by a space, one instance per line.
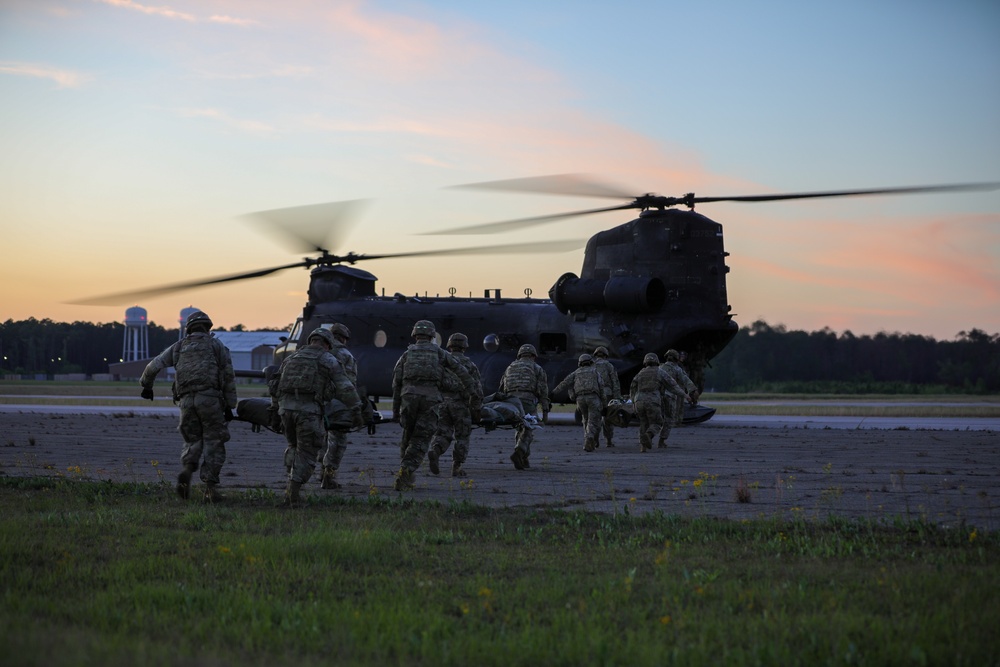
x=518 y=459
x=292 y=497
x=329 y=480
x=212 y=495
x=588 y=445
x=432 y=461
x=456 y=470
x=610 y=444
x=184 y=482
x=662 y=444
x=404 y=480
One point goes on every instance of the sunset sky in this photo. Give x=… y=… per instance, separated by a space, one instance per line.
x=136 y=135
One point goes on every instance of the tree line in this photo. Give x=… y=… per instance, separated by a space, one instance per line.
x=43 y=347
x=773 y=359
x=760 y=358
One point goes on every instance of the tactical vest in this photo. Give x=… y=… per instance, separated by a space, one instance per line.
x=196 y=365
x=521 y=376
x=303 y=375
x=585 y=381
x=648 y=380
x=422 y=365
x=347 y=361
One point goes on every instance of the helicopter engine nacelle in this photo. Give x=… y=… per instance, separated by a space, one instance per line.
x=629 y=294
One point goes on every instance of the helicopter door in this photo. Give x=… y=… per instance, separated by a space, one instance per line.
x=552 y=343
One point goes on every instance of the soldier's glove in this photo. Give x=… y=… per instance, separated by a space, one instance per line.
x=545 y=416
x=147 y=393
x=275 y=421
x=476 y=412
x=229 y=415
x=694 y=397
x=395 y=416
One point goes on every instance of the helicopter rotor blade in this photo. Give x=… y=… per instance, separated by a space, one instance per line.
x=579 y=185
x=519 y=248
x=120 y=298
x=960 y=187
x=310 y=228
x=521 y=223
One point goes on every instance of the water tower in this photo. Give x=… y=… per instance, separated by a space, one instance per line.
x=185 y=314
x=136 y=345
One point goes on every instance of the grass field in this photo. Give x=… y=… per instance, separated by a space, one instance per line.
x=125 y=574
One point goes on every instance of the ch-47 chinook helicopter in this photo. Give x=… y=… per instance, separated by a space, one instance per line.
x=655 y=283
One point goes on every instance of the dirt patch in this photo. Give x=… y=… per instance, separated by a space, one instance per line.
x=944 y=477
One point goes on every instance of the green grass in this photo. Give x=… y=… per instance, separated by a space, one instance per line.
x=123 y=574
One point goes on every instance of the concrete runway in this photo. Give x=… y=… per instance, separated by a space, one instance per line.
x=941 y=471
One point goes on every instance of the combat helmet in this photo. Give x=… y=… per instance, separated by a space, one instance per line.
x=341 y=330
x=423 y=328
x=198 y=320
x=527 y=350
x=458 y=340
x=672 y=355
x=585 y=360
x=324 y=335
x=651 y=360
x=601 y=352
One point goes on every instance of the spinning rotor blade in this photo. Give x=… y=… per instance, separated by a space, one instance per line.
x=961 y=187
x=569 y=184
x=540 y=247
x=560 y=184
x=120 y=298
x=311 y=228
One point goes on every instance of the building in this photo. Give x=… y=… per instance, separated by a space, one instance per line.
x=250 y=351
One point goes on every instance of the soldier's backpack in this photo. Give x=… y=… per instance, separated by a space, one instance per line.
x=197 y=365
x=422 y=365
x=301 y=374
x=585 y=381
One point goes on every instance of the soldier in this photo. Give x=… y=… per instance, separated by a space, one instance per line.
x=300 y=390
x=587 y=388
x=205 y=388
x=417 y=380
x=673 y=413
x=646 y=393
x=335 y=446
x=612 y=391
x=526 y=380
x=455 y=417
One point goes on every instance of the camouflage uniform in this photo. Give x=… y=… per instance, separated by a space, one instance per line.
x=646 y=392
x=205 y=390
x=305 y=383
x=417 y=380
x=455 y=416
x=335 y=445
x=674 y=406
x=587 y=388
x=526 y=380
x=612 y=391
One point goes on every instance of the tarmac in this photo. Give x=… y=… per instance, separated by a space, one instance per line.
x=739 y=468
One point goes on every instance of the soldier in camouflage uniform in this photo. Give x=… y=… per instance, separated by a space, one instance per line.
x=336 y=440
x=646 y=392
x=526 y=380
x=587 y=388
x=612 y=391
x=305 y=383
x=205 y=389
x=417 y=381
x=455 y=417
x=673 y=405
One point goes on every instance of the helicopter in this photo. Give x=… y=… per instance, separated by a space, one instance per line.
x=654 y=283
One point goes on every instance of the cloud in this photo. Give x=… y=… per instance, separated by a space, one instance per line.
x=64 y=78
x=242 y=124
x=173 y=14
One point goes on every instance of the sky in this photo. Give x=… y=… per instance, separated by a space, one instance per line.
x=136 y=136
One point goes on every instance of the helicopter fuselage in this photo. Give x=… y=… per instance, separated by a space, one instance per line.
x=654 y=283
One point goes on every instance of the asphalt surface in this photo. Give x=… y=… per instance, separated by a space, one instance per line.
x=737 y=468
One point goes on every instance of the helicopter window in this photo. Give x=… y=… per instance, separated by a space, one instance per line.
x=552 y=343
x=381 y=338
x=491 y=343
